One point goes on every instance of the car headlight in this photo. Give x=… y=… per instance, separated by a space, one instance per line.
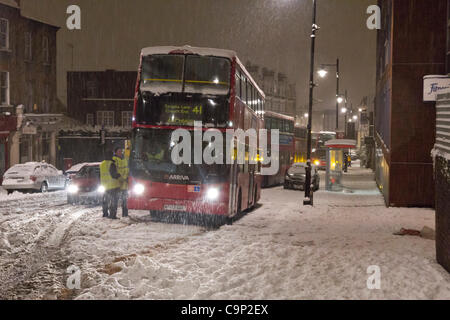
x=212 y=194
x=101 y=189
x=72 y=188
x=138 y=189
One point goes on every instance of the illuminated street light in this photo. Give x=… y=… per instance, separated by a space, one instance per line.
x=344 y=110
x=306 y=115
x=355 y=118
x=340 y=99
x=322 y=73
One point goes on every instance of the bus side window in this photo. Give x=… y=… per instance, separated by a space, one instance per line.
x=244 y=89
x=238 y=84
x=249 y=92
x=253 y=98
x=260 y=104
x=251 y=95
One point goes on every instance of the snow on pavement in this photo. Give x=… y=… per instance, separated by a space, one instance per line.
x=283 y=250
x=280 y=250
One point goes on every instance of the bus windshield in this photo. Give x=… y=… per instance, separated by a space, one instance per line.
x=163 y=73
x=151 y=159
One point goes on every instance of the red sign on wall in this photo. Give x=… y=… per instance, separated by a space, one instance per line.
x=8 y=123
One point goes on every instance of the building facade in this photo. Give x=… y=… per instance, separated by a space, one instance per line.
x=410 y=44
x=441 y=155
x=101 y=98
x=8 y=125
x=280 y=93
x=27 y=85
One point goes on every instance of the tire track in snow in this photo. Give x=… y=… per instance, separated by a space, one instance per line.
x=36 y=267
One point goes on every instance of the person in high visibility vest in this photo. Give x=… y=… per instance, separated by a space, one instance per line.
x=122 y=169
x=113 y=183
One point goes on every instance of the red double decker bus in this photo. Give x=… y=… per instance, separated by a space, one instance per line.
x=176 y=87
x=285 y=125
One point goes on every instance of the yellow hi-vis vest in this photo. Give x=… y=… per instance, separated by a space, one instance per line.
x=105 y=177
x=122 y=169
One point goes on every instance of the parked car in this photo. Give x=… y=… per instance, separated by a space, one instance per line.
x=85 y=185
x=37 y=176
x=296 y=175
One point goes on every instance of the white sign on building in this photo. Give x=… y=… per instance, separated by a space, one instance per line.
x=434 y=85
x=29 y=130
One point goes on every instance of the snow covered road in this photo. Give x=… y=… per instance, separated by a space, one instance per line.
x=281 y=250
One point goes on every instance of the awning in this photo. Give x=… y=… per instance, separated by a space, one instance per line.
x=341 y=144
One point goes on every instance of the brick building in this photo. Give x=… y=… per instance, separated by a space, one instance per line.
x=410 y=44
x=101 y=98
x=27 y=84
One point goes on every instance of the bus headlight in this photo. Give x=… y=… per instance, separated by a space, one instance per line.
x=101 y=189
x=212 y=194
x=138 y=189
x=72 y=188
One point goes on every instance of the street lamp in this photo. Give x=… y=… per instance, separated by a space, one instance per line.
x=308 y=195
x=340 y=100
x=322 y=73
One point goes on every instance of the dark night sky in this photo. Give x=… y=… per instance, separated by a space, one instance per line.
x=271 y=33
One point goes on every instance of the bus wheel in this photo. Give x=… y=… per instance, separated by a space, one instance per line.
x=154 y=215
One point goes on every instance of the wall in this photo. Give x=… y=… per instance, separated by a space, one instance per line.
x=410 y=45
x=442 y=178
x=36 y=73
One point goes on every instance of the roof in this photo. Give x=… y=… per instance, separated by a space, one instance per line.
x=10 y=3
x=341 y=143
x=278 y=115
x=14 y=4
x=186 y=49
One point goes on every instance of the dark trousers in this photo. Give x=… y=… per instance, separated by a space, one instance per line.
x=111 y=202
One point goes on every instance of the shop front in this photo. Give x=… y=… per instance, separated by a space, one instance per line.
x=7 y=127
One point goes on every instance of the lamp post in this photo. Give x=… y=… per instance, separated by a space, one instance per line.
x=322 y=73
x=308 y=195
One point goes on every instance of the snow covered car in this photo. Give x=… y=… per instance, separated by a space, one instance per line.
x=85 y=185
x=296 y=175
x=38 y=176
